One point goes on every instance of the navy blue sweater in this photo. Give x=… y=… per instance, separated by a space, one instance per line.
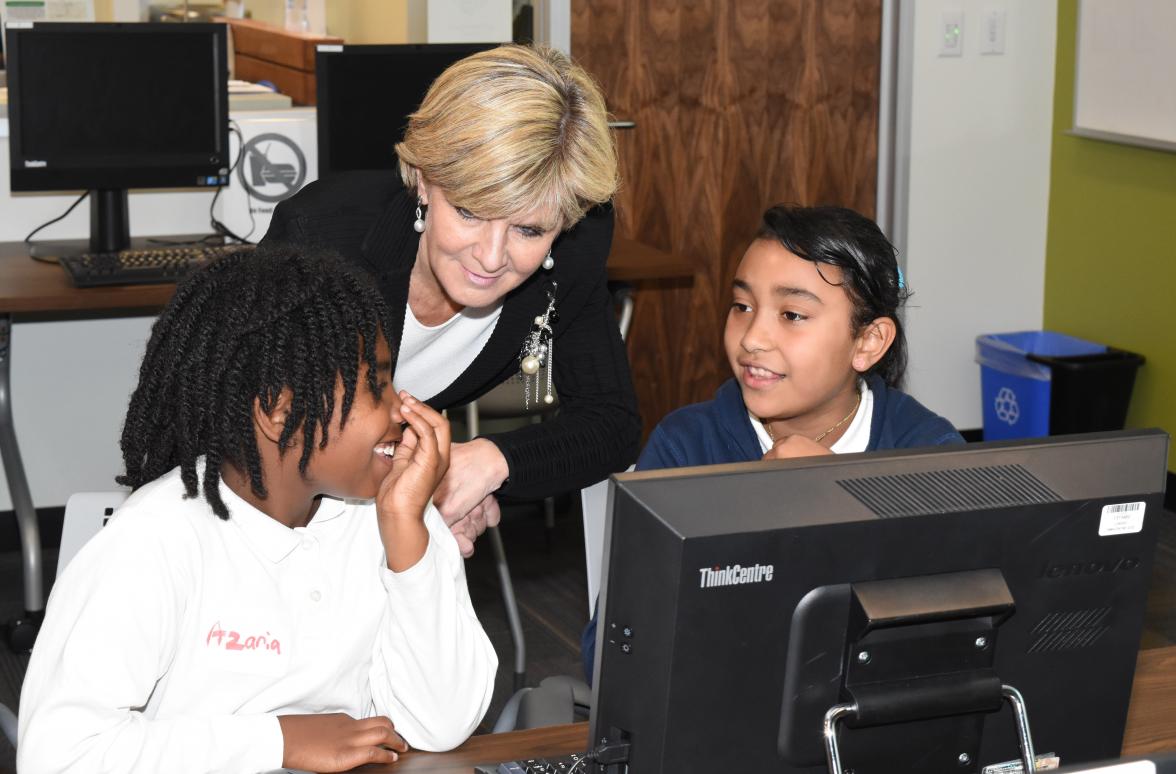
x=719 y=431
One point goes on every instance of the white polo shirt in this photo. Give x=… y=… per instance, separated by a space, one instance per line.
x=174 y=639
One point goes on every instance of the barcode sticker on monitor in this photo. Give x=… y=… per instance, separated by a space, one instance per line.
x=1043 y=762
x=1121 y=519
x=1134 y=767
x=329 y=48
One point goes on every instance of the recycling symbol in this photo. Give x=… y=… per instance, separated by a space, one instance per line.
x=1007 y=408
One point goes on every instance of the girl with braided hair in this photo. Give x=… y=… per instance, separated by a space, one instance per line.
x=278 y=590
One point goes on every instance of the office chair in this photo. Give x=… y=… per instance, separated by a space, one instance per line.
x=85 y=514
x=8 y=724
x=593 y=501
x=505 y=402
x=564 y=699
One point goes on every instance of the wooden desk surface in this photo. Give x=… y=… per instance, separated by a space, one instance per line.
x=632 y=261
x=1150 y=724
x=1150 y=728
x=552 y=741
x=35 y=287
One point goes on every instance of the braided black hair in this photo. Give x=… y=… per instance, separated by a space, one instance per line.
x=869 y=268
x=243 y=328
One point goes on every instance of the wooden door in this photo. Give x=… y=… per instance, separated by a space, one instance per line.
x=739 y=104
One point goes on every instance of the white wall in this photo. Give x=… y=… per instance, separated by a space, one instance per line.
x=978 y=191
x=71 y=380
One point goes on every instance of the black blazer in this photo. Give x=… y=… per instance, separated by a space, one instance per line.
x=367 y=217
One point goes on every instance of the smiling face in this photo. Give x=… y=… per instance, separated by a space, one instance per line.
x=473 y=261
x=358 y=454
x=790 y=340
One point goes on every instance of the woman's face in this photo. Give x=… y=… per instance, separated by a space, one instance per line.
x=477 y=261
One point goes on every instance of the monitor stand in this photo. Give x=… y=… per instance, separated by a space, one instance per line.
x=110 y=229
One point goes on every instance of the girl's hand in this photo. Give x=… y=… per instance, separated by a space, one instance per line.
x=418 y=465
x=795 y=446
x=329 y=743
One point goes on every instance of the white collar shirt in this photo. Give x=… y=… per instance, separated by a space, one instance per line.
x=174 y=639
x=856 y=437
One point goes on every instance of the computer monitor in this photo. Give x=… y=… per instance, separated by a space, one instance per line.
x=107 y=107
x=742 y=602
x=365 y=95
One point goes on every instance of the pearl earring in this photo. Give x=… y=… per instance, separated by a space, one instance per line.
x=549 y=262
x=418 y=225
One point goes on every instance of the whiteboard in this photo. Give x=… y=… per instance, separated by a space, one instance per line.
x=1125 y=73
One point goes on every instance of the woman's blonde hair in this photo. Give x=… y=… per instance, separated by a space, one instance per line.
x=512 y=129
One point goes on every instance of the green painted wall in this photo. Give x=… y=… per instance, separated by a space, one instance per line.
x=1110 y=269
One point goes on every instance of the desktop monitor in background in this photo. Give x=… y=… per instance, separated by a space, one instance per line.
x=107 y=107
x=742 y=602
x=365 y=95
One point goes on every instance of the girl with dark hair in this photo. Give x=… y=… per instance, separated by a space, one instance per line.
x=278 y=589
x=817 y=349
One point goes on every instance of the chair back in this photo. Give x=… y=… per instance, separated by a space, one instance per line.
x=508 y=400
x=8 y=724
x=594 y=507
x=593 y=504
x=85 y=514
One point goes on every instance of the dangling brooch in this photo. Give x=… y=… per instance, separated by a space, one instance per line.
x=539 y=352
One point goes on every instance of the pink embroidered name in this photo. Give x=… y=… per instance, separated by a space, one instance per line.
x=230 y=640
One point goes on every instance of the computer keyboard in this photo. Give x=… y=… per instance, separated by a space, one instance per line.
x=576 y=763
x=141 y=267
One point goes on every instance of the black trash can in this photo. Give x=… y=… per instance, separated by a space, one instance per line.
x=1090 y=393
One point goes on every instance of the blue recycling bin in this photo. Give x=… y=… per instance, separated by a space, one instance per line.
x=1038 y=383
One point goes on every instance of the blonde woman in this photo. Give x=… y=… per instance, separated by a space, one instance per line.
x=489 y=247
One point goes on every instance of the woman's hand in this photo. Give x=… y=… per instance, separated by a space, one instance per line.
x=464 y=496
x=418 y=466
x=795 y=446
x=329 y=743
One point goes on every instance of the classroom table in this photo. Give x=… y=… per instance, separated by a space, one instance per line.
x=1150 y=728
x=41 y=291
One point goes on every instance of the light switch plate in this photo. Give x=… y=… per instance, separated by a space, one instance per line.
x=951 y=33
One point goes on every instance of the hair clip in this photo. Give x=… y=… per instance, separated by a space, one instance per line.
x=901 y=281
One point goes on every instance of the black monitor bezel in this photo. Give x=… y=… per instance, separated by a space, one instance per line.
x=655 y=517
x=119 y=172
x=327 y=53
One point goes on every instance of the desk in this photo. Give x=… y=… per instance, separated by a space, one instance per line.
x=36 y=290
x=1150 y=728
x=29 y=287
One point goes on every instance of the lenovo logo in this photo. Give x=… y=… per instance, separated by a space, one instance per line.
x=35 y=164
x=734 y=575
x=1097 y=567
